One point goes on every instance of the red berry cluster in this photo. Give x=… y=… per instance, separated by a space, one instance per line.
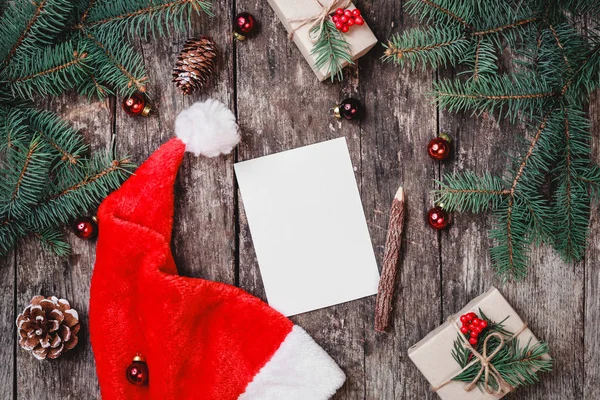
x=344 y=19
x=472 y=327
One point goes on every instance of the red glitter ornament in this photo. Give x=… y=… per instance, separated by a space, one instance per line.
x=136 y=104
x=439 y=148
x=243 y=25
x=86 y=228
x=437 y=218
x=137 y=372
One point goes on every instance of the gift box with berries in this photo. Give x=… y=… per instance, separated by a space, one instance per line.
x=305 y=20
x=483 y=352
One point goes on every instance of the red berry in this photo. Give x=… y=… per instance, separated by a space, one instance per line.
x=483 y=324
x=339 y=11
x=471 y=315
x=339 y=26
x=464 y=319
x=343 y=19
x=464 y=330
x=356 y=12
x=345 y=28
x=359 y=21
x=474 y=335
x=473 y=341
x=476 y=321
x=472 y=326
x=477 y=330
x=335 y=18
x=350 y=22
x=348 y=13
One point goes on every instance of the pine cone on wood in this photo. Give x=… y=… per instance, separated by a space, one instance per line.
x=195 y=64
x=48 y=327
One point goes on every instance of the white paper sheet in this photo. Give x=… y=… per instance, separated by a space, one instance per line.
x=308 y=227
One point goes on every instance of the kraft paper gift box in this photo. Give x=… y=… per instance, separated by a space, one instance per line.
x=433 y=354
x=360 y=38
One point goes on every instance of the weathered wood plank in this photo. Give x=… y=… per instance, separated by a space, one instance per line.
x=591 y=306
x=281 y=106
x=400 y=122
x=7 y=325
x=72 y=376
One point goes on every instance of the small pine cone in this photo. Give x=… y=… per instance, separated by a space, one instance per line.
x=48 y=327
x=195 y=64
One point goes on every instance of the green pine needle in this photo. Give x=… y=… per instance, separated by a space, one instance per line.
x=331 y=50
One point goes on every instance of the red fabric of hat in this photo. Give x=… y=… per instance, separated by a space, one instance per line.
x=200 y=339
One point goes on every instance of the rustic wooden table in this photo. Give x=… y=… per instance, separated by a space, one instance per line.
x=280 y=106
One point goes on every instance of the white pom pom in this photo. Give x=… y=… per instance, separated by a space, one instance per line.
x=207 y=128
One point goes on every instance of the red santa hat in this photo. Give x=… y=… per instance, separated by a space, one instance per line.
x=199 y=339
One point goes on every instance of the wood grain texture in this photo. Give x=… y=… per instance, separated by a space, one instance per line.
x=7 y=325
x=280 y=105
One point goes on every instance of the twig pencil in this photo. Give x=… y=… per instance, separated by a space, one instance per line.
x=387 y=282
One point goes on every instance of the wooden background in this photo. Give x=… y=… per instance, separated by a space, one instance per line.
x=280 y=106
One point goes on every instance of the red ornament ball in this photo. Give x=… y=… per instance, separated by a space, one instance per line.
x=244 y=25
x=137 y=372
x=483 y=324
x=473 y=341
x=438 y=218
x=439 y=148
x=86 y=227
x=471 y=316
x=136 y=104
x=464 y=330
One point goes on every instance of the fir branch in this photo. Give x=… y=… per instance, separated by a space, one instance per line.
x=427 y=9
x=137 y=17
x=505 y=27
x=26 y=25
x=50 y=70
x=432 y=47
x=13 y=128
x=102 y=175
x=53 y=241
x=117 y=64
x=469 y=192
x=331 y=50
x=508 y=95
x=67 y=144
x=24 y=180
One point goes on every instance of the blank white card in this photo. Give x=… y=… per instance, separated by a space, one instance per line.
x=308 y=227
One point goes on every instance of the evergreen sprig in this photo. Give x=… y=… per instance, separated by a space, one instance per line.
x=47 y=176
x=545 y=195
x=517 y=365
x=331 y=50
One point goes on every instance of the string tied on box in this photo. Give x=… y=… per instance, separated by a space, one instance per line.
x=317 y=20
x=487 y=368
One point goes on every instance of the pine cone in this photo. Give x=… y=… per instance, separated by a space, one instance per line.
x=195 y=64
x=48 y=327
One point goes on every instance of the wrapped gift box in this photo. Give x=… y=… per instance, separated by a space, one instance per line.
x=433 y=354
x=360 y=38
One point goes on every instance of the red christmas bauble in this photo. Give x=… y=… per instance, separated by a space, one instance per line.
x=137 y=372
x=438 y=218
x=439 y=148
x=86 y=227
x=243 y=25
x=136 y=104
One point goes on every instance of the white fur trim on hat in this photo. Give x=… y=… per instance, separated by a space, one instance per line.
x=299 y=370
x=207 y=128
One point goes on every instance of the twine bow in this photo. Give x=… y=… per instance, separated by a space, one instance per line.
x=317 y=19
x=487 y=368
